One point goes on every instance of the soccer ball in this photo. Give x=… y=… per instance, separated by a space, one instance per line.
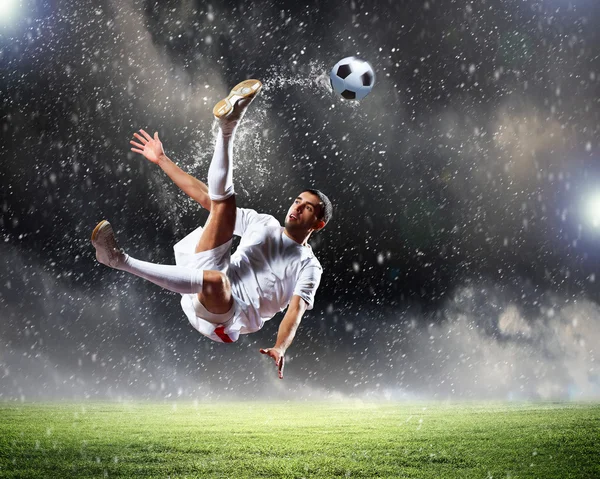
x=352 y=78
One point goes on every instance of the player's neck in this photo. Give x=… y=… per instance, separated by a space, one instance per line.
x=299 y=238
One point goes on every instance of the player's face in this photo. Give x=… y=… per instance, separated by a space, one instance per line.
x=303 y=214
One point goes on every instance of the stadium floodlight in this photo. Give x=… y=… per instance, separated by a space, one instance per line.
x=593 y=210
x=7 y=8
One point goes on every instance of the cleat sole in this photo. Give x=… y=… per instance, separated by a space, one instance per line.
x=97 y=229
x=245 y=89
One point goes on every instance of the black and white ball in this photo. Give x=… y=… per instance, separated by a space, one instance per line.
x=352 y=78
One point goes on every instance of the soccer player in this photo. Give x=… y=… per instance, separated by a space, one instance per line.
x=226 y=295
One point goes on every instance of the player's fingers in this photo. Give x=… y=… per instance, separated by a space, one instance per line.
x=143 y=140
x=281 y=364
x=137 y=151
x=264 y=351
x=146 y=135
x=156 y=136
x=136 y=144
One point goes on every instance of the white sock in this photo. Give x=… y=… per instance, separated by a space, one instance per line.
x=174 y=278
x=220 y=172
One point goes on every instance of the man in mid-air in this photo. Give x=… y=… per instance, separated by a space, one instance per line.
x=226 y=295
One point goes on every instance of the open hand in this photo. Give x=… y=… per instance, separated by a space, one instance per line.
x=278 y=355
x=150 y=147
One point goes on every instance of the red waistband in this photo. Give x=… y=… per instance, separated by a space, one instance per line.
x=220 y=331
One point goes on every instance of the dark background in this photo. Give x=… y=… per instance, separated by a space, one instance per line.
x=462 y=257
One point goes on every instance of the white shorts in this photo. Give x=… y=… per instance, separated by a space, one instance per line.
x=224 y=328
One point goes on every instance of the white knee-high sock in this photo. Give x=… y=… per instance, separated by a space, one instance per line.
x=220 y=172
x=172 y=277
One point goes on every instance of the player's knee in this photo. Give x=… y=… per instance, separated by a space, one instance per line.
x=216 y=285
x=223 y=285
x=224 y=207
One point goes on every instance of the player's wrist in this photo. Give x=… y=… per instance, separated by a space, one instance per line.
x=162 y=159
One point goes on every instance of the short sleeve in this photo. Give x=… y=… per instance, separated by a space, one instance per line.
x=244 y=217
x=307 y=284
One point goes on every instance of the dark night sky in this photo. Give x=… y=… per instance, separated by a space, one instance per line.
x=462 y=257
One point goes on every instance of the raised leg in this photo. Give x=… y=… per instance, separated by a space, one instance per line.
x=218 y=230
x=213 y=287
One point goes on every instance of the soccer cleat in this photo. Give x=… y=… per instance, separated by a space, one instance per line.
x=107 y=249
x=231 y=108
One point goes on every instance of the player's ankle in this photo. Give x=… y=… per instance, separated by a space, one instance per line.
x=227 y=130
x=123 y=263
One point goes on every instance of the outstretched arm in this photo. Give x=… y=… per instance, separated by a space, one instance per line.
x=286 y=333
x=153 y=151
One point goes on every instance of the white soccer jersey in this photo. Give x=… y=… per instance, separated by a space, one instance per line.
x=265 y=271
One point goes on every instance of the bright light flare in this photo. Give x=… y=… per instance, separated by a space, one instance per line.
x=7 y=9
x=593 y=210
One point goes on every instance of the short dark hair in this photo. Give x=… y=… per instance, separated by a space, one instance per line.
x=326 y=210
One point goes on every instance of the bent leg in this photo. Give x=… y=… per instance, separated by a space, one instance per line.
x=216 y=292
x=178 y=279
x=212 y=286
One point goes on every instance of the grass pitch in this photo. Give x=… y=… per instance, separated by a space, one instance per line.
x=346 y=439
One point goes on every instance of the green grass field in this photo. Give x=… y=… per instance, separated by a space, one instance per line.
x=345 y=439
